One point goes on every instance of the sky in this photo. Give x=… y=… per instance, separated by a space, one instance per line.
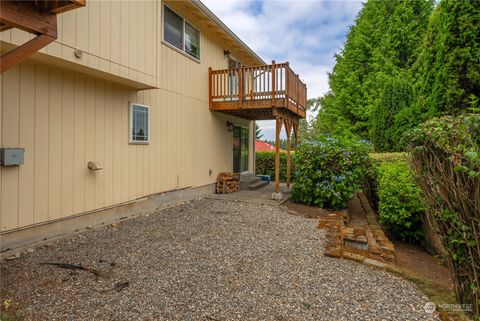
x=306 y=33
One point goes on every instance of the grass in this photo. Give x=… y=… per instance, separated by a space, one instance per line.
x=5 y=317
x=437 y=293
x=380 y=158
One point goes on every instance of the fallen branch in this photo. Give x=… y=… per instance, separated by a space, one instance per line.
x=121 y=285
x=69 y=266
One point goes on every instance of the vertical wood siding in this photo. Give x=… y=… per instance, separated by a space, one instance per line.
x=115 y=36
x=65 y=119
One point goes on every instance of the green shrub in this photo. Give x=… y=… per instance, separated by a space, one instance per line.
x=400 y=201
x=329 y=171
x=265 y=164
x=445 y=154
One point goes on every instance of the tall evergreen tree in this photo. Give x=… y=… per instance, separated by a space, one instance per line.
x=448 y=68
x=381 y=45
x=258 y=132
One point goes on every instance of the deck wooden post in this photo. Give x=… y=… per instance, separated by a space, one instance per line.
x=288 y=128
x=240 y=87
x=278 y=128
x=297 y=89
x=273 y=83
x=295 y=145
x=287 y=83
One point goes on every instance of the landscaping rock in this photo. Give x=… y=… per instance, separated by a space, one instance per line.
x=206 y=260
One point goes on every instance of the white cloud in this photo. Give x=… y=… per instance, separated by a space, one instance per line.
x=306 y=33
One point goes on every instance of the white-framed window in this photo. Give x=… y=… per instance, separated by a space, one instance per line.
x=139 y=124
x=180 y=34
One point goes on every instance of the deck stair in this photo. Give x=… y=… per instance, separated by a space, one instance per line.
x=252 y=182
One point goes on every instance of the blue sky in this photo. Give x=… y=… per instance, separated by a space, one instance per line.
x=307 y=33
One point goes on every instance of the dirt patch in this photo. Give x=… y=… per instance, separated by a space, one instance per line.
x=415 y=259
x=306 y=210
x=410 y=257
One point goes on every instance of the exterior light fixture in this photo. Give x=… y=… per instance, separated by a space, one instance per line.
x=226 y=53
x=230 y=126
x=78 y=53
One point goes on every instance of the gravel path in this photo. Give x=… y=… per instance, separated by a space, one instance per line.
x=205 y=260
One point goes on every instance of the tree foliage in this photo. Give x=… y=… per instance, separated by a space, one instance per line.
x=401 y=65
x=258 y=132
x=448 y=67
x=370 y=79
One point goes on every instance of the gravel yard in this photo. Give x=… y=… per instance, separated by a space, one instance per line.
x=205 y=260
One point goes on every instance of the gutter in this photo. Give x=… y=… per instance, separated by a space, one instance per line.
x=219 y=22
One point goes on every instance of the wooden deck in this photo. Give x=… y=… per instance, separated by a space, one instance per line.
x=258 y=93
x=35 y=16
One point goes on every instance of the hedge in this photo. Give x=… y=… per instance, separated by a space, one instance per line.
x=401 y=203
x=265 y=164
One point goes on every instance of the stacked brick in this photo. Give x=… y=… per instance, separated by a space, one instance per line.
x=334 y=224
x=366 y=240
x=379 y=242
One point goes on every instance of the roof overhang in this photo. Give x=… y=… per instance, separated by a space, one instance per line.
x=197 y=12
x=227 y=30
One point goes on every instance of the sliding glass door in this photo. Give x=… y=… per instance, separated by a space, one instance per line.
x=240 y=149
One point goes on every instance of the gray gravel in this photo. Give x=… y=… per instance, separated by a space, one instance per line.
x=205 y=260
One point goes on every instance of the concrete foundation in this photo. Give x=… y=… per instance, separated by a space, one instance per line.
x=277 y=196
x=14 y=239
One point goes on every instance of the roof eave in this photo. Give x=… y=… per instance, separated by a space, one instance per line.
x=227 y=30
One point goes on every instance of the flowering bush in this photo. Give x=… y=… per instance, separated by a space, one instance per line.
x=330 y=171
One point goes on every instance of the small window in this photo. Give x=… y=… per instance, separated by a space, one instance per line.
x=139 y=119
x=180 y=34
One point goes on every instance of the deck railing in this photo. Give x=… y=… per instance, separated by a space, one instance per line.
x=268 y=82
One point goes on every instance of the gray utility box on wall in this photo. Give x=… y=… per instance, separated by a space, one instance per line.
x=11 y=156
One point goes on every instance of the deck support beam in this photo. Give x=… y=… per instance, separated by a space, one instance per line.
x=37 y=17
x=278 y=128
x=288 y=128
x=291 y=123
x=295 y=145
x=21 y=53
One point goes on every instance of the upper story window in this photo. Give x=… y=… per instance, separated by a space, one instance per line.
x=180 y=34
x=139 y=124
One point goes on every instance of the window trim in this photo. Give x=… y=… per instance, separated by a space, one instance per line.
x=130 y=135
x=182 y=50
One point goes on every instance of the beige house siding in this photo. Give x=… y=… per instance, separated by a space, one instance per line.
x=116 y=37
x=65 y=118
